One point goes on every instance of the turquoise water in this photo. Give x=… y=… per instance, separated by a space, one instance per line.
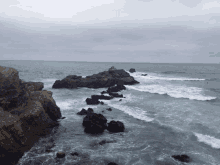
x=174 y=110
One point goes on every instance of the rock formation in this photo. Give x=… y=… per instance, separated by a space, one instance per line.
x=26 y=113
x=103 y=79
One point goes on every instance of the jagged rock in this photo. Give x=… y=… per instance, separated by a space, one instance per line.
x=26 y=113
x=100 y=80
x=182 y=158
x=82 y=112
x=94 y=123
x=116 y=88
x=132 y=70
x=60 y=154
x=115 y=126
x=85 y=112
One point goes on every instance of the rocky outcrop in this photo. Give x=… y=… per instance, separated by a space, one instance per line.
x=132 y=70
x=116 y=88
x=103 y=79
x=26 y=113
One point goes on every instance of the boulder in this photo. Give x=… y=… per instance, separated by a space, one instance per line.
x=90 y=101
x=182 y=158
x=116 y=88
x=132 y=70
x=115 y=126
x=120 y=100
x=94 y=123
x=143 y=74
x=103 y=79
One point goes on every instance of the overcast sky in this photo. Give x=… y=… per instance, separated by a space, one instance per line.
x=110 y=30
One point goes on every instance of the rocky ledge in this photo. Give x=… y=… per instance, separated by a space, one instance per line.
x=103 y=79
x=26 y=113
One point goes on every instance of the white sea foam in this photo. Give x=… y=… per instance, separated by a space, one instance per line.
x=209 y=140
x=154 y=76
x=192 y=93
x=135 y=112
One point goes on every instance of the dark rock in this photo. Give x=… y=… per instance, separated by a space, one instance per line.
x=115 y=126
x=182 y=158
x=102 y=103
x=112 y=163
x=116 y=88
x=120 y=100
x=60 y=154
x=74 y=154
x=102 y=111
x=90 y=101
x=106 y=141
x=62 y=117
x=132 y=70
x=143 y=74
x=112 y=68
x=94 y=123
x=109 y=109
x=115 y=94
x=85 y=112
x=100 y=80
x=103 y=92
x=82 y=112
x=101 y=97
x=90 y=110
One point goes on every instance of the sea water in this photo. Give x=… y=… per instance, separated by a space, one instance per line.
x=174 y=110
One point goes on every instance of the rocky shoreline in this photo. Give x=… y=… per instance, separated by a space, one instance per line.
x=28 y=112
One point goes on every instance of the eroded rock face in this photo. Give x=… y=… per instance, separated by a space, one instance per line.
x=103 y=79
x=26 y=113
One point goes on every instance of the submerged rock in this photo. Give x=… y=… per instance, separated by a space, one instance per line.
x=115 y=126
x=109 y=109
x=182 y=158
x=101 y=97
x=143 y=74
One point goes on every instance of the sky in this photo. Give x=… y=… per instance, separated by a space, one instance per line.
x=160 y=31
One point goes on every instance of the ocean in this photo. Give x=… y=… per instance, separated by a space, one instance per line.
x=174 y=110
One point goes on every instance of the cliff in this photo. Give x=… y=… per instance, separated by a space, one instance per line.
x=26 y=113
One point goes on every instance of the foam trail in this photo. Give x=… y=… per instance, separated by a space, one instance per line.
x=192 y=93
x=209 y=140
